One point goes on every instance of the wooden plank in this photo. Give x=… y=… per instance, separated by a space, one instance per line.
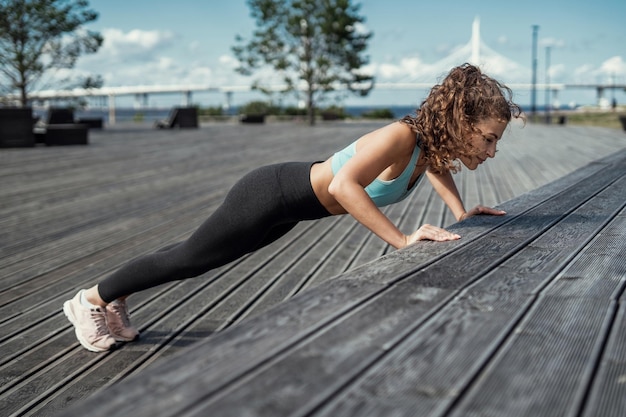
x=329 y=361
x=317 y=357
x=554 y=350
x=198 y=303
x=468 y=331
x=608 y=392
x=230 y=359
x=541 y=208
x=132 y=191
x=54 y=303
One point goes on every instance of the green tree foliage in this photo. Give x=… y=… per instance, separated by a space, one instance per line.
x=39 y=36
x=378 y=114
x=315 y=43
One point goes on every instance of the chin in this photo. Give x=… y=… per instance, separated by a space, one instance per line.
x=471 y=165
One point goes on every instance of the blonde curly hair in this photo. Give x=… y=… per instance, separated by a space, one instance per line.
x=448 y=116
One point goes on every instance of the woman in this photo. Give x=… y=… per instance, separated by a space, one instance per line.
x=463 y=119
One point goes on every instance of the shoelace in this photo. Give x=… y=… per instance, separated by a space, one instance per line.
x=119 y=309
x=100 y=320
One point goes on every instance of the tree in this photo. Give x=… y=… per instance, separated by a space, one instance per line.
x=39 y=36
x=315 y=43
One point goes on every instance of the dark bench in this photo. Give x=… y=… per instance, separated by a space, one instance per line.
x=91 y=122
x=60 y=128
x=16 y=127
x=65 y=116
x=525 y=315
x=181 y=117
x=59 y=115
x=252 y=118
x=66 y=134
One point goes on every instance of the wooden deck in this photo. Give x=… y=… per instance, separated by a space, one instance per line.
x=523 y=316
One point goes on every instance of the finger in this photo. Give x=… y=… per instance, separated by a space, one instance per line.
x=438 y=234
x=487 y=210
x=492 y=211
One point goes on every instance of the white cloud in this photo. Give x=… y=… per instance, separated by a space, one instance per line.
x=557 y=71
x=147 y=57
x=134 y=45
x=581 y=74
x=144 y=57
x=414 y=69
x=613 y=66
x=361 y=29
x=406 y=69
x=228 y=61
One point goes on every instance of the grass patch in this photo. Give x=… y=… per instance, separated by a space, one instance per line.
x=597 y=118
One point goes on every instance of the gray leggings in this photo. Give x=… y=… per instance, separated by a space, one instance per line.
x=261 y=207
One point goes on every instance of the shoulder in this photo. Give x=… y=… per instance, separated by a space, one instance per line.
x=399 y=128
x=396 y=135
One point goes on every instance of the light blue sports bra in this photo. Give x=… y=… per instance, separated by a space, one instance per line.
x=382 y=192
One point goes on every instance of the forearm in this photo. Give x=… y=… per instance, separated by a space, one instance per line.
x=446 y=188
x=360 y=206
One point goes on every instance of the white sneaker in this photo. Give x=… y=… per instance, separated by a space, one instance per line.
x=118 y=322
x=89 y=325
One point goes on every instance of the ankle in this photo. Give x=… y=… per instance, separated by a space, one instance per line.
x=92 y=296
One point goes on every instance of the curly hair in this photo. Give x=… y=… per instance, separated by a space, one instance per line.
x=448 y=116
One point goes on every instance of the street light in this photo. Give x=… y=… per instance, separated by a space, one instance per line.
x=548 y=84
x=533 y=98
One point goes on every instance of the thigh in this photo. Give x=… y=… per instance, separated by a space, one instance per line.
x=276 y=233
x=250 y=211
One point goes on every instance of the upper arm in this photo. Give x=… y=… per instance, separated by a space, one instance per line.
x=377 y=151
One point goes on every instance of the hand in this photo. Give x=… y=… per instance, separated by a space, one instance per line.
x=428 y=232
x=481 y=210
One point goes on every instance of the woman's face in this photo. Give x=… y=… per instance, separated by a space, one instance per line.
x=484 y=142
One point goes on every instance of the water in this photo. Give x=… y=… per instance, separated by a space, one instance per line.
x=150 y=115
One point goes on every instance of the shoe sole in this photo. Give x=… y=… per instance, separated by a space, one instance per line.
x=124 y=339
x=67 y=310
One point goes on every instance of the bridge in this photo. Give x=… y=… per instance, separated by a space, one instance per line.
x=141 y=93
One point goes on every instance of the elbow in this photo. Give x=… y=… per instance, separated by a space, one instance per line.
x=334 y=187
x=343 y=189
x=337 y=188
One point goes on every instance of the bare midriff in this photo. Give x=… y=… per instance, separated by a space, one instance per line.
x=321 y=176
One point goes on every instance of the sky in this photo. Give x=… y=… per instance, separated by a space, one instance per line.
x=156 y=42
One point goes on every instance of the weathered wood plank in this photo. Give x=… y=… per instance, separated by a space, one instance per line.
x=70 y=216
x=289 y=326
x=608 y=392
x=334 y=356
x=541 y=208
x=541 y=374
x=467 y=332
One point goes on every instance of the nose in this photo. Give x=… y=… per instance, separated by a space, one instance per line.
x=491 y=151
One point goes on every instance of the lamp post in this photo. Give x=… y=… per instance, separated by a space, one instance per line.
x=613 y=100
x=533 y=98
x=548 y=84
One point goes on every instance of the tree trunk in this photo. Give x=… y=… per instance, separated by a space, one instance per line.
x=23 y=96
x=310 y=107
x=23 y=84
